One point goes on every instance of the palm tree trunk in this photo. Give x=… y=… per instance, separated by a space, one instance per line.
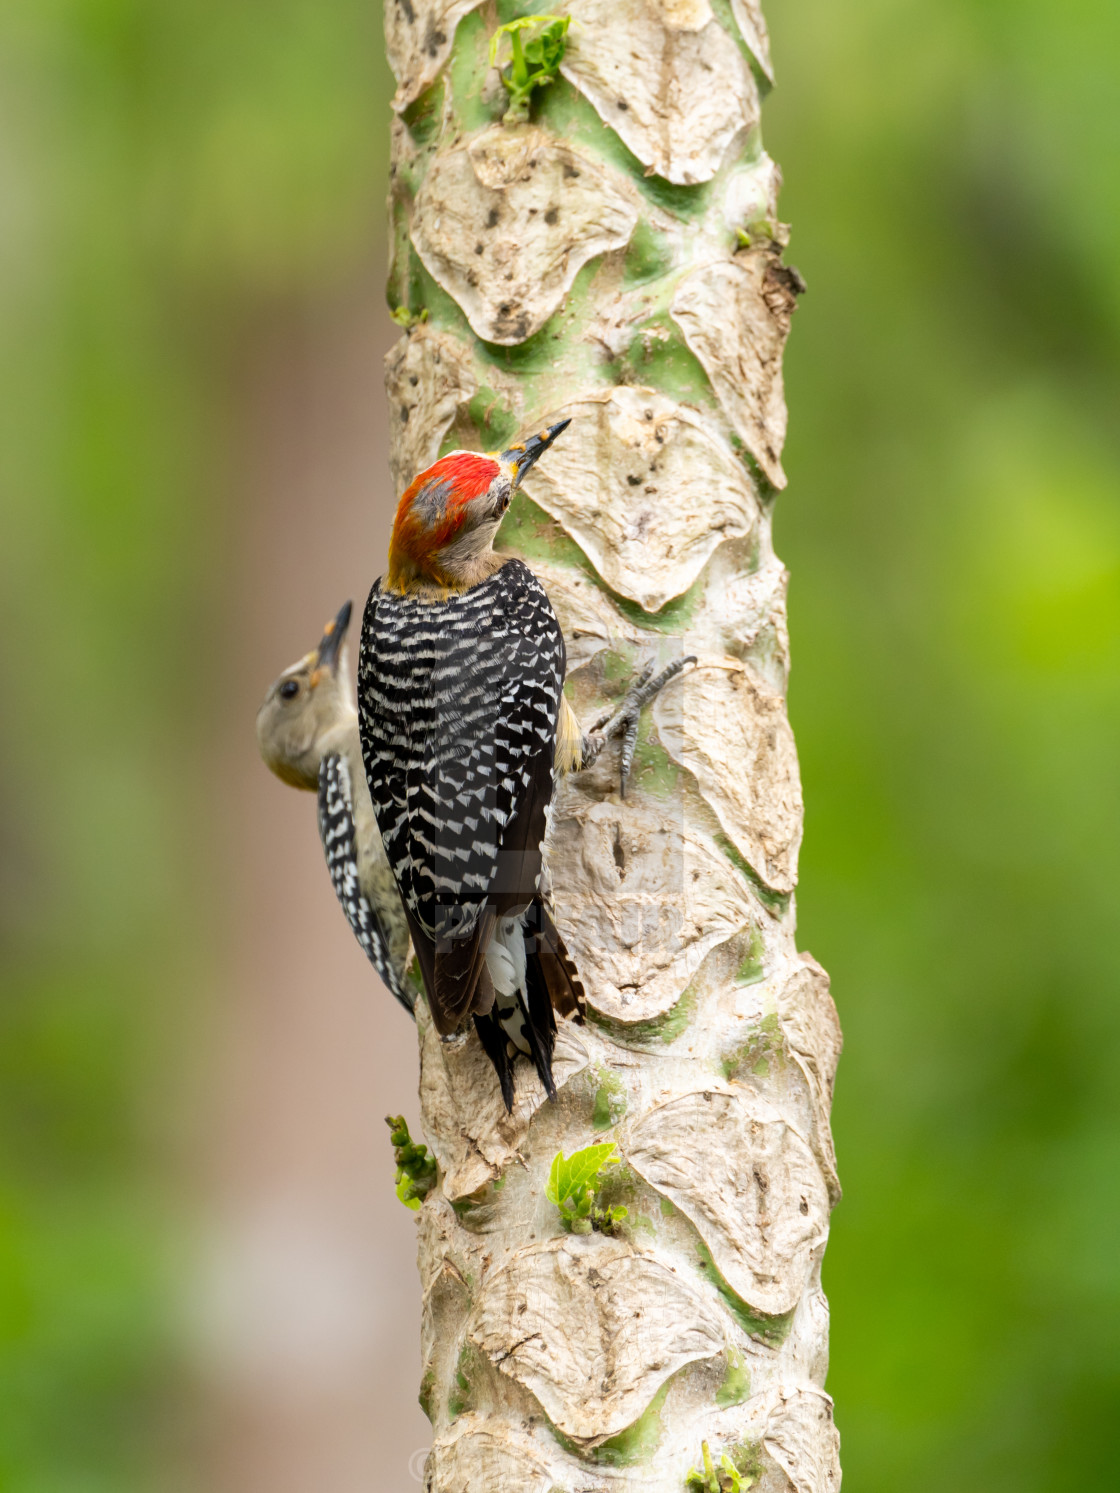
x=617 y=257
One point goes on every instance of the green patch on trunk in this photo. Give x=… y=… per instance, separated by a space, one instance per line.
x=532 y=533
x=775 y=902
x=648 y=255
x=659 y=356
x=654 y=771
x=466 y=1370
x=763 y=1051
x=398 y=283
x=726 y=17
x=537 y=354
x=470 y=62
x=427 y=1389
x=423 y=115
x=443 y=310
x=476 y=1211
x=773 y=1331
x=571 y=116
x=736 y=1386
x=634 y=1445
x=639 y=1441
x=665 y=1028
x=685 y=202
x=675 y=616
x=747 y=1459
x=610 y=1100
x=752 y=967
x=493 y=421
x=615 y=667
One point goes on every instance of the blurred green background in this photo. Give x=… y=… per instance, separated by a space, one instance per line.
x=173 y=177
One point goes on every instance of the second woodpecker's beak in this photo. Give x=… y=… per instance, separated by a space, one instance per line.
x=526 y=452
x=334 y=635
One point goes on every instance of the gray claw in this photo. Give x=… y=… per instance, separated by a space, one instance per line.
x=626 y=720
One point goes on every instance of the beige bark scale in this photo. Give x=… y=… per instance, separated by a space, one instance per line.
x=619 y=260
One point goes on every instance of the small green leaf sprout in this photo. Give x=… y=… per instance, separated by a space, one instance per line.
x=573 y=1185
x=726 y=1478
x=760 y=230
x=416 y=1167
x=408 y=319
x=534 y=59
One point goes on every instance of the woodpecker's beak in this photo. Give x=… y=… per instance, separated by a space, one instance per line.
x=526 y=452
x=334 y=635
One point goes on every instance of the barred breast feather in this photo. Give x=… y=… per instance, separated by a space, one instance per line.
x=458 y=703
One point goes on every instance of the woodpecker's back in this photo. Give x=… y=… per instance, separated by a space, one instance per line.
x=458 y=701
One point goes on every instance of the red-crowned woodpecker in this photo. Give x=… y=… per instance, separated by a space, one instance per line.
x=463 y=723
x=307 y=730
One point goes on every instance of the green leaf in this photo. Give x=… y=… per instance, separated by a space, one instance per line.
x=573 y=1182
x=555 y=28
x=705 y=1480
x=408 y=319
x=581 y=1167
x=404 y=1192
x=730 y=1480
x=552 y=1186
x=534 y=61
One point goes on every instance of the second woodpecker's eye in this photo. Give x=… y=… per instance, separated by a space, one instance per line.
x=289 y=689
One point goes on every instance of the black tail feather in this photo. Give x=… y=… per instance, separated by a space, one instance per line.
x=553 y=986
x=541 y=1025
x=494 y=1044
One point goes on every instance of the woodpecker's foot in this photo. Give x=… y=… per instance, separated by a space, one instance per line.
x=624 y=721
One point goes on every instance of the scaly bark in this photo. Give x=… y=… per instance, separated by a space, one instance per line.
x=618 y=259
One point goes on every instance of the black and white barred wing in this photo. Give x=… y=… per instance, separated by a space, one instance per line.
x=336 y=830
x=495 y=696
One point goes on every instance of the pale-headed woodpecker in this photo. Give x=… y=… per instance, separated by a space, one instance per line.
x=307 y=730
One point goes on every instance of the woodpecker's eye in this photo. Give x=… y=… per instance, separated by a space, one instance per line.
x=289 y=689
x=501 y=491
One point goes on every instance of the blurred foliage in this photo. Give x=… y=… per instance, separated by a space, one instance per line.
x=171 y=171
x=953 y=530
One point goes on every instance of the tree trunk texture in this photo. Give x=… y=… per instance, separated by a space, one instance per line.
x=618 y=259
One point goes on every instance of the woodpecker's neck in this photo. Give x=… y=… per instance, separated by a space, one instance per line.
x=458 y=565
